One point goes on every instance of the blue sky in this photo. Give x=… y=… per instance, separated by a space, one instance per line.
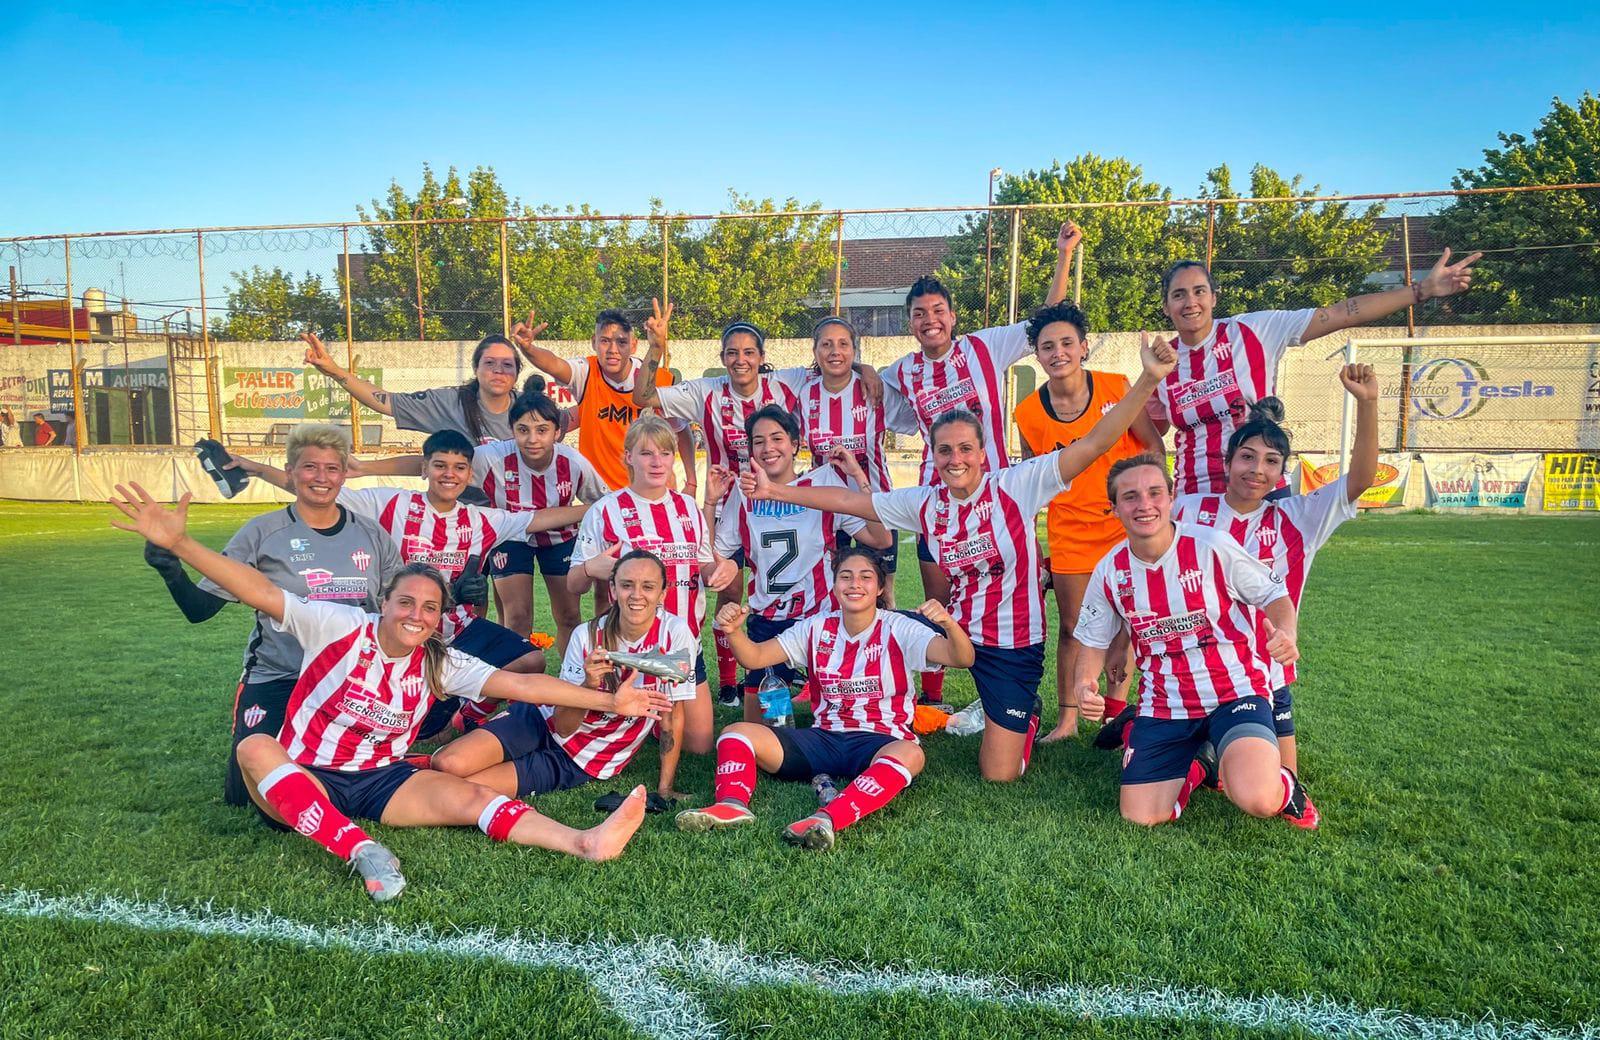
x=167 y=116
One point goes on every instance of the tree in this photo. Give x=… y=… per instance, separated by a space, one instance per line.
x=1124 y=248
x=1543 y=264
x=1286 y=255
x=270 y=305
x=573 y=268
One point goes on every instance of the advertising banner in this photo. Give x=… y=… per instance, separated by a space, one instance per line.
x=287 y=393
x=1388 y=489
x=1570 y=481
x=148 y=378
x=1465 y=481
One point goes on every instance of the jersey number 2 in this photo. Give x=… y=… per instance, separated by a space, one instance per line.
x=791 y=551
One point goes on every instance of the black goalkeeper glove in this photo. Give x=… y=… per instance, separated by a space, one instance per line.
x=472 y=586
x=165 y=561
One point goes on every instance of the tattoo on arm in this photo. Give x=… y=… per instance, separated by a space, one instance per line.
x=380 y=397
x=1351 y=307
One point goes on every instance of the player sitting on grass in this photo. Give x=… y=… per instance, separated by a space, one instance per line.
x=860 y=659
x=527 y=752
x=364 y=689
x=1186 y=594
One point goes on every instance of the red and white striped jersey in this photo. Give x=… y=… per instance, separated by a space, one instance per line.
x=671 y=526
x=444 y=541
x=987 y=545
x=864 y=681
x=1190 y=617
x=788 y=548
x=353 y=707
x=1285 y=535
x=604 y=743
x=850 y=419
x=513 y=485
x=1209 y=394
x=721 y=413
x=971 y=375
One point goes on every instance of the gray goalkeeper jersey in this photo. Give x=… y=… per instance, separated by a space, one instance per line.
x=429 y=411
x=347 y=563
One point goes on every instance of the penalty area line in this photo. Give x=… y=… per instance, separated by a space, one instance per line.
x=632 y=975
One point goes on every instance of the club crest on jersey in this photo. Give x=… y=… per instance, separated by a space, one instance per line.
x=873 y=652
x=299 y=544
x=563 y=488
x=416 y=507
x=983 y=509
x=362 y=559
x=1190 y=580
x=253 y=715
x=859 y=413
x=1266 y=536
x=413 y=685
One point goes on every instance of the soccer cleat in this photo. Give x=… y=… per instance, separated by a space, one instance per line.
x=713 y=817
x=826 y=789
x=677 y=668
x=1300 y=811
x=379 y=871
x=729 y=696
x=1114 y=732
x=813 y=832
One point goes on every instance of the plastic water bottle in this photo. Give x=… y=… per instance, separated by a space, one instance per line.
x=777 y=707
x=967 y=722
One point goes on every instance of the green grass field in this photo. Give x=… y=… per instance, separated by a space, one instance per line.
x=1448 y=733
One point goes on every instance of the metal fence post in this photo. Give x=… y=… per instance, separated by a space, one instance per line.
x=1348 y=414
x=1077 y=275
x=350 y=348
x=665 y=283
x=74 y=363
x=1211 y=230
x=838 y=266
x=1016 y=236
x=1406 y=356
x=213 y=406
x=505 y=280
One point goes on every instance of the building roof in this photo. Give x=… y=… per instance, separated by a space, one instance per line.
x=891 y=263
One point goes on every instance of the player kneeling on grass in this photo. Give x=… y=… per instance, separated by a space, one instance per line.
x=860 y=659
x=1186 y=594
x=527 y=752
x=364 y=689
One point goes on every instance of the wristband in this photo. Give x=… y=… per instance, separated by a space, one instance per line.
x=1416 y=292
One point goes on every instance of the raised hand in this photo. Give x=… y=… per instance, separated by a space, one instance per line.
x=1156 y=355
x=164 y=528
x=523 y=333
x=1069 y=237
x=754 y=484
x=718 y=480
x=597 y=667
x=844 y=460
x=1280 y=645
x=1447 y=279
x=1091 y=706
x=722 y=575
x=730 y=616
x=601 y=566
x=251 y=466
x=655 y=326
x=934 y=611
x=317 y=356
x=1360 y=382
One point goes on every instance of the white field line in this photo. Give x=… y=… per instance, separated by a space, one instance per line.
x=634 y=976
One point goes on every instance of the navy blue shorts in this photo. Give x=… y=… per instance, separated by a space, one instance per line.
x=890 y=556
x=924 y=553
x=359 y=794
x=807 y=752
x=1161 y=749
x=542 y=765
x=258 y=707
x=699 y=667
x=1007 y=679
x=1283 y=711
x=492 y=644
x=510 y=558
x=761 y=629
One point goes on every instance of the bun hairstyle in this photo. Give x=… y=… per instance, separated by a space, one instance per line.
x=1264 y=421
x=533 y=401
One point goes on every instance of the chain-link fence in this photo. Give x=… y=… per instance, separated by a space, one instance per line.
x=162 y=337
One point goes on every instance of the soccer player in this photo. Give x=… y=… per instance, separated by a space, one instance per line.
x=1081 y=525
x=838 y=410
x=477 y=408
x=1186 y=594
x=1225 y=365
x=1286 y=534
x=980 y=528
x=527 y=751
x=603 y=387
x=316 y=549
x=358 y=701
x=534 y=471
x=647 y=514
x=721 y=405
x=861 y=658
x=947 y=372
x=789 y=548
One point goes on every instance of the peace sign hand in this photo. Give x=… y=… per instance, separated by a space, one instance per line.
x=1447 y=279
x=317 y=355
x=655 y=326
x=523 y=333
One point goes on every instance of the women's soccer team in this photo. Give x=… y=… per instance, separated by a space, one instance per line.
x=370 y=631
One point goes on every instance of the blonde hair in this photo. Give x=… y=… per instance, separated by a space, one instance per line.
x=655 y=428
x=318 y=435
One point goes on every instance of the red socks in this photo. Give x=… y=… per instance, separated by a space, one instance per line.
x=1027 y=744
x=1288 y=788
x=295 y=796
x=1197 y=773
x=1114 y=708
x=867 y=793
x=736 y=769
x=933 y=687
x=727 y=666
x=476 y=712
x=500 y=815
